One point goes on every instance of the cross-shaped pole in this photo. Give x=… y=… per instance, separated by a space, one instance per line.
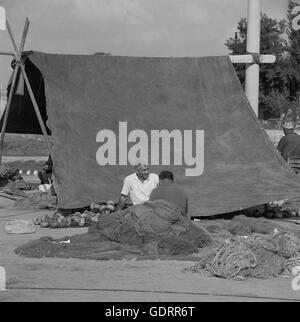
x=253 y=58
x=20 y=66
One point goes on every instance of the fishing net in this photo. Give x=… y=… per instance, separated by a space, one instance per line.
x=19 y=188
x=256 y=256
x=7 y=174
x=292 y=205
x=155 y=228
x=292 y=263
x=37 y=200
x=242 y=225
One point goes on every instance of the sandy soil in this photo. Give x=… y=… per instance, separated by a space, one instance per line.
x=25 y=145
x=53 y=280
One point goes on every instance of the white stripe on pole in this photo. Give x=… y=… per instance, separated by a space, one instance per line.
x=253 y=46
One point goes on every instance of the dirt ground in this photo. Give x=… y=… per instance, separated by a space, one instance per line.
x=64 y=280
x=24 y=145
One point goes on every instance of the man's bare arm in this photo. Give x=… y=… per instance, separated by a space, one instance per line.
x=122 y=202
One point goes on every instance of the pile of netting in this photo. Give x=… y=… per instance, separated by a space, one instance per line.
x=19 y=188
x=154 y=229
x=254 y=256
x=37 y=200
x=292 y=205
x=8 y=174
x=242 y=225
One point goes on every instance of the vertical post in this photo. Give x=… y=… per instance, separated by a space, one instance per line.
x=253 y=46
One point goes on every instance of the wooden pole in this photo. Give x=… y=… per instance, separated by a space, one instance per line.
x=7 y=53
x=36 y=108
x=12 y=39
x=11 y=91
x=23 y=39
x=249 y=59
x=12 y=88
x=253 y=47
x=18 y=55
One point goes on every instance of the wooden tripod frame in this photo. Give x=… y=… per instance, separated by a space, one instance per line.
x=17 y=53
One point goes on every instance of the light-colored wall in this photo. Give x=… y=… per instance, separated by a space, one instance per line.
x=2 y=101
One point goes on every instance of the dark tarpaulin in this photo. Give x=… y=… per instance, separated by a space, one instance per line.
x=86 y=94
x=22 y=118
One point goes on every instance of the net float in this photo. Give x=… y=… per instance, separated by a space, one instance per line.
x=37 y=221
x=81 y=222
x=44 y=224
x=94 y=206
x=102 y=208
x=110 y=208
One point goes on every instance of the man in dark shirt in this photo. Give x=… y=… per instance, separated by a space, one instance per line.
x=289 y=145
x=46 y=174
x=167 y=190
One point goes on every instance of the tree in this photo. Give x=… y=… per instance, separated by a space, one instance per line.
x=273 y=77
x=293 y=50
x=237 y=46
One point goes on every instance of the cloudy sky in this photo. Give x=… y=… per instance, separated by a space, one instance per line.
x=128 y=27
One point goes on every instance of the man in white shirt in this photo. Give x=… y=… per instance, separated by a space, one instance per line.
x=138 y=185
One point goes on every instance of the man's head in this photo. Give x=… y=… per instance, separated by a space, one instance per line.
x=166 y=176
x=142 y=168
x=288 y=128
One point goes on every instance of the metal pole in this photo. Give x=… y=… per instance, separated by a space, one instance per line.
x=12 y=88
x=253 y=46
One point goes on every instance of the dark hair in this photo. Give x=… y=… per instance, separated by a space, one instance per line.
x=166 y=175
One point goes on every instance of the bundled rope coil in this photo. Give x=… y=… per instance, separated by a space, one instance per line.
x=231 y=258
x=256 y=255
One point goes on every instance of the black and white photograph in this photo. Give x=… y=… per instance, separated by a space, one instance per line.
x=149 y=153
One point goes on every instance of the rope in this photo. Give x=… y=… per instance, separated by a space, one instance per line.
x=240 y=253
x=231 y=258
x=292 y=263
x=268 y=244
